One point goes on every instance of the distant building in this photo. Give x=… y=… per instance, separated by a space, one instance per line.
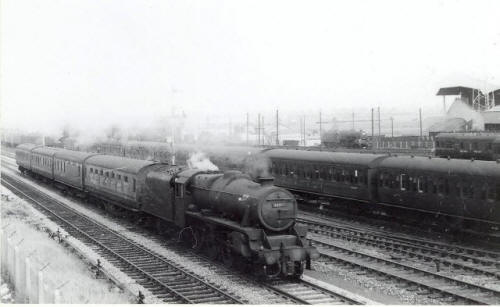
x=474 y=97
x=492 y=119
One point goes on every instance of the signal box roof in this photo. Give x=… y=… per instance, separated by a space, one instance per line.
x=455 y=90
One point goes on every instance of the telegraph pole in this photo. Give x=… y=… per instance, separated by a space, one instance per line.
x=320 y=130
x=379 y=135
x=304 y=127
x=277 y=128
x=392 y=127
x=258 y=128
x=420 y=117
x=263 y=131
x=373 y=127
x=302 y=122
x=247 y=127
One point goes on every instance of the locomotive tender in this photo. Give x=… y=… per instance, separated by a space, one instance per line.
x=227 y=215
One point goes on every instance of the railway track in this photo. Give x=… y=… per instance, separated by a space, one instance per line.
x=348 y=247
x=286 y=292
x=473 y=260
x=307 y=293
x=160 y=276
x=281 y=292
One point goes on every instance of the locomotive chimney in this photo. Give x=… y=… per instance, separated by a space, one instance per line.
x=265 y=180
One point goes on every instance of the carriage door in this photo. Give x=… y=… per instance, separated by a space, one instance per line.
x=372 y=181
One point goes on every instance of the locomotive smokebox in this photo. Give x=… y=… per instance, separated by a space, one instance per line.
x=239 y=198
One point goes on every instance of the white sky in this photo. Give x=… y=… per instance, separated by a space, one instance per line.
x=95 y=62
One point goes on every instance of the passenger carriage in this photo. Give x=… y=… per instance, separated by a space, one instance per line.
x=116 y=179
x=23 y=156
x=69 y=167
x=42 y=161
x=461 y=188
x=344 y=175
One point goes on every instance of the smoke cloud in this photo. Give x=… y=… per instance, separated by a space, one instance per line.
x=200 y=161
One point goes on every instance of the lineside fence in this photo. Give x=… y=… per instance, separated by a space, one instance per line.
x=32 y=279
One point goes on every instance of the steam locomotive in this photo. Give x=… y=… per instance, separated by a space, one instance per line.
x=226 y=215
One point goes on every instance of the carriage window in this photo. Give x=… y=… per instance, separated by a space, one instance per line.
x=316 y=172
x=79 y=170
x=133 y=184
x=484 y=191
x=119 y=177
x=468 y=191
x=112 y=175
x=340 y=175
x=106 y=174
x=420 y=184
x=413 y=183
x=300 y=171
x=355 y=177
x=330 y=173
x=491 y=193
x=441 y=186
x=101 y=172
x=125 y=178
x=403 y=182
x=434 y=185
x=308 y=172
x=91 y=170
x=346 y=176
x=458 y=190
